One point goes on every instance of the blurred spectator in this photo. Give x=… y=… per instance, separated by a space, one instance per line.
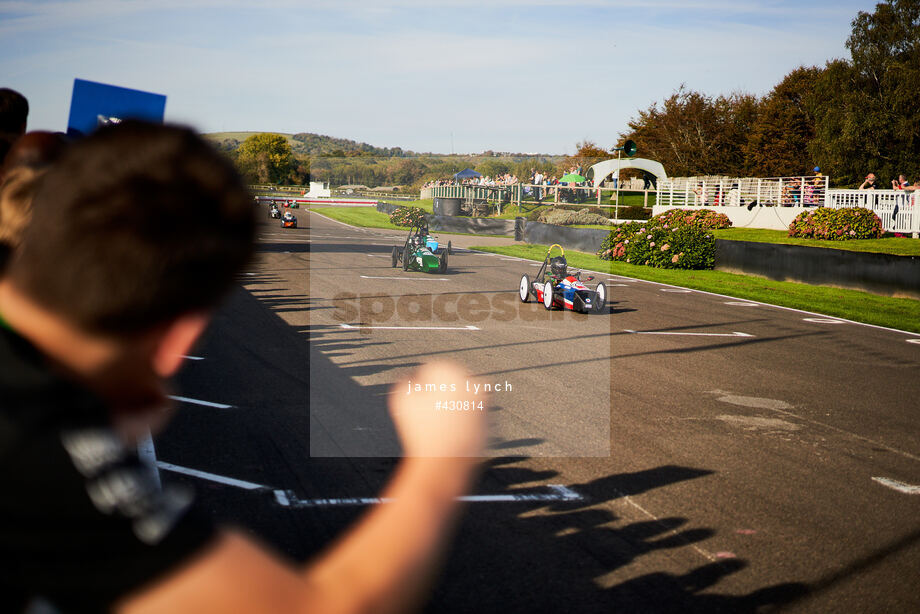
x=16 y=192
x=869 y=183
x=97 y=310
x=14 y=112
x=36 y=150
x=900 y=183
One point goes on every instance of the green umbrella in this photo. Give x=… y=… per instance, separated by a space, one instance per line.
x=572 y=178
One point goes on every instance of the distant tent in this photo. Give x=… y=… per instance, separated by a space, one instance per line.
x=467 y=174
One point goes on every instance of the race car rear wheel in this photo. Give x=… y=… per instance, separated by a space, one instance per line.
x=442 y=267
x=524 y=290
x=548 y=295
x=394 y=257
x=450 y=248
x=406 y=255
x=600 y=297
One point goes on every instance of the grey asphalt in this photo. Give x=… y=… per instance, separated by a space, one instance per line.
x=722 y=452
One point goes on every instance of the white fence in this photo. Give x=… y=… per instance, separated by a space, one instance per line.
x=897 y=209
x=804 y=191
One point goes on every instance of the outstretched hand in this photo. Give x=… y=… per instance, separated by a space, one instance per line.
x=436 y=416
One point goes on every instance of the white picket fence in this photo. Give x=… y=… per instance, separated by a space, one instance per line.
x=898 y=210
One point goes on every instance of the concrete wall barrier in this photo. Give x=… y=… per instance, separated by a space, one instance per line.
x=583 y=239
x=876 y=273
x=472 y=225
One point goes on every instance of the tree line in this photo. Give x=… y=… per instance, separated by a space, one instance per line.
x=850 y=117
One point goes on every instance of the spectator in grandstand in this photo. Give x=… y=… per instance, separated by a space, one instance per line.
x=900 y=183
x=84 y=348
x=869 y=183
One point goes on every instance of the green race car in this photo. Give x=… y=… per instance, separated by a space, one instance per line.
x=420 y=252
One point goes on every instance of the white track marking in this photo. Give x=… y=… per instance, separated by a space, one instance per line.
x=735 y=334
x=211 y=477
x=901 y=487
x=677 y=290
x=611 y=285
x=741 y=304
x=407 y=278
x=558 y=492
x=916 y=341
x=199 y=402
x=360 y=327
x=824 y=320
x=193 y=357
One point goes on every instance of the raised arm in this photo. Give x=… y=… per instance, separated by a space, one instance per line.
x=386 y=561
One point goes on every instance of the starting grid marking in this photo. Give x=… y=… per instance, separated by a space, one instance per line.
x=682 y=334
x=287 y=498
x=361 y=327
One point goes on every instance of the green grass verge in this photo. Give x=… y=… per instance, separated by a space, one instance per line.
x=900 y=313
x=898 y=246
x=369 y=217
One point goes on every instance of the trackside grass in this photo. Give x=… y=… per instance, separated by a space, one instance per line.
x=900 y=313
x=898 y=246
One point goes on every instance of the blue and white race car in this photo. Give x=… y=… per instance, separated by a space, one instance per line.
x=554 y=286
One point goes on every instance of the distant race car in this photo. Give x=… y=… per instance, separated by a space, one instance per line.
x=421 y=252
x=293 y=204
x=273 y=212
x=288 y=220
x=554 y=286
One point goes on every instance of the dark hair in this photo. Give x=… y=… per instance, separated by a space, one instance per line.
x=14 y=111
x=134 y=226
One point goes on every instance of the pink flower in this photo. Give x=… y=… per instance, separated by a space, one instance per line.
x=652 y=244
x=675 y=258
x=665 y=247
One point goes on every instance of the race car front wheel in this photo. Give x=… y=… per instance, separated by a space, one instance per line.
x=548 y=295
x=394 y=257
x=600 y=297
x=524 y=291
x=450 y=249
x=406 y=255
x=442 y=267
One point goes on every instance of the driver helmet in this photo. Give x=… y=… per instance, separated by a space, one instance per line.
x=558 y=266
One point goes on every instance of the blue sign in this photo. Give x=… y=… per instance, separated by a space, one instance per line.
x=97 y=104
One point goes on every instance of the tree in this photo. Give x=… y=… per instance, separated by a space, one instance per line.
x=266 y=158
x=587 y=154
x=694 y=134
x=778 y=143
x=867 y=117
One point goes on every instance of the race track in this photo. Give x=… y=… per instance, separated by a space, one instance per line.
x=682 y=452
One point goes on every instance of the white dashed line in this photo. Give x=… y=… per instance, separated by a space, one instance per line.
x=901 y=487
x=361 y=327
x=211 y=477
x=406 y=278
x=680 y=334
x=741 y=304
x=558 y=492
x=823 y=320
x=200 y=402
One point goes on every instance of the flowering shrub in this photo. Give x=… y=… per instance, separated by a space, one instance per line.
x=837 y=224
x=678 y=246
x=701 y=218
x=407 y=216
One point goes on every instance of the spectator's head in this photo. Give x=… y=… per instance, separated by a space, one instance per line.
x=35 y=150
x=134 y=227
x=870 y=177
x=14 y=111
x=16 y=192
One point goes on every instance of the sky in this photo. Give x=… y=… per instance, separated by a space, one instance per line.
x=460 y=76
